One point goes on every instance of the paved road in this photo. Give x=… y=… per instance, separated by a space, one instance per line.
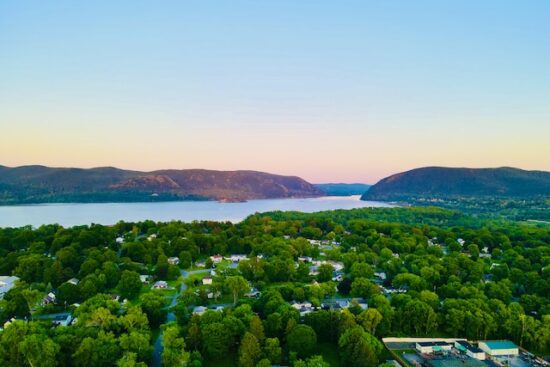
x=158 y=347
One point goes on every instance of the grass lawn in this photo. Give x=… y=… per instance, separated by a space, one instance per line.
x=329 y=352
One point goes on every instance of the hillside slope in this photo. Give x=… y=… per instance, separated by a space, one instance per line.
x=442 y=182
x=39 y=184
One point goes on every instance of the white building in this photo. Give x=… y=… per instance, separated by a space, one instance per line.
x=173 y=260
x=216 y=259
x=73 y=281
x=161 y=284
x=499 y=348
x=432 y=347
x=470 y=350
x=207 y=281
x=237 y=258
x=145 y=278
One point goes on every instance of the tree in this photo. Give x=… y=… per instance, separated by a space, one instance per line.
x=215 y=339
x=315 y=361
x=39 y=350
x=136 y=343
x=68 y=293
x=237 y=285
x=129 y=360
x=32 y=296
x=272 y=350
x=362 y=287
x=361 y=270
x=152 y=304
x=256 y=328
x=102 y=350
x=325 y=272
x=174 y=353
x=370 y=319
x=129 y=285
x=358 y=348
x=249 y=350
x=302 y=340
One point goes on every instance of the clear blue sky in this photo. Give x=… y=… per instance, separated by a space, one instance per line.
x=327 y=90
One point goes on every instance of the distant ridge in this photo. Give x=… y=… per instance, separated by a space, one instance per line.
x=342 y=189
x=40 y=184
x=443 y=182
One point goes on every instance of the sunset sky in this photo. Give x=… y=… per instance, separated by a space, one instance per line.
x=339 y=91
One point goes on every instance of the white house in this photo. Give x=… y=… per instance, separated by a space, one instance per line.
x=161 y=284
x=216 y=259
x=237 y=258
x=173 y=260
x=6 y=284
x=499 y=348
x=73 y=281
x=50 y=298
x=207 y=281
x=145 y=278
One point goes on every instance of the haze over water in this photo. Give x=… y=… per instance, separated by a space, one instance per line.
x=187 y=211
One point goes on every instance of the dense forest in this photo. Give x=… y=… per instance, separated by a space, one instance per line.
x=421 y=271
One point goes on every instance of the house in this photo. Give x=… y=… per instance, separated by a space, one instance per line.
x=49 y=299
x=173 y=260
x=337 y=265
x=254 y=293
x=62 y=320
x=207 y=280
x=73 y=281
x=470 y=350
x=461 y=242
x=432 y=347
x=338 y=278
x=305 y=259
x=6 y=284
x=199 y=310
x=216 y=259
x=12 y=320
x=119 y=240
x=237 y=258
x=145 y=278
x=151 y=237
x=216 y=294
x=380 y=275
x=161 y=284
x=499 y=348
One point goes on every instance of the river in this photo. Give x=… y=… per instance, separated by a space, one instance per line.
x=110 y=213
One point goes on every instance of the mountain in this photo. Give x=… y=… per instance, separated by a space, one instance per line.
x=342 y=189
x=39 y=184
x=442 y=182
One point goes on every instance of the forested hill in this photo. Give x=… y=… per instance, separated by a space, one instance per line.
x=441 y=182
x=39 y=184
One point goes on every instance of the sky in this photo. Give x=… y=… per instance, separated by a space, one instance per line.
x=331 y=91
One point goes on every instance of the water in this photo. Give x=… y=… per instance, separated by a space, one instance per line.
x=187 y=211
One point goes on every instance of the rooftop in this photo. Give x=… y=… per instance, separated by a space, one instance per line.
x=500 y=344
